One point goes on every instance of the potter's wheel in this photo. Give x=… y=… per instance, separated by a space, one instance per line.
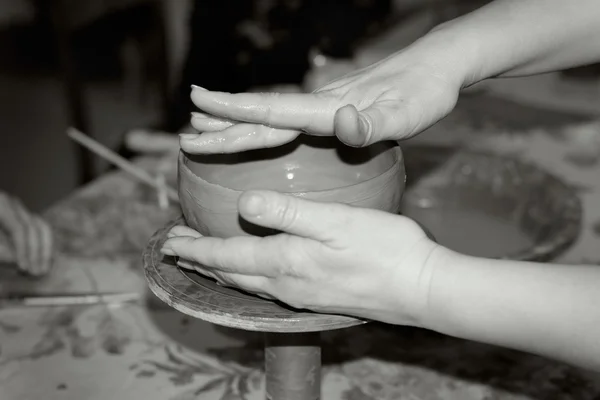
x=199 y=297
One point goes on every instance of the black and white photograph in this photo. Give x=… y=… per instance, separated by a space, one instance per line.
x=299 y=199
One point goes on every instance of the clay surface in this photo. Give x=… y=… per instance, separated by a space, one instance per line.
x=501 y=206
x=316 y=168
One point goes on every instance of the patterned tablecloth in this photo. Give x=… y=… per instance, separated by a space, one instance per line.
x=150 y=351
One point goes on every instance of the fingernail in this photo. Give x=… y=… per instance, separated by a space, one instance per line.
x=195 y=87
x=255 y=205
x=188 y=136
x=171 y=235
x=166 y=250
x=365 y=128
x=198 y=115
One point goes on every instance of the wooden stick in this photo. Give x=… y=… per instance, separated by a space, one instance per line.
x=120 y=162
x=74 y=299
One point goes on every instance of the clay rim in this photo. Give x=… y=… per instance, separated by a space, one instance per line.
x=569 y=232
x=397 y=154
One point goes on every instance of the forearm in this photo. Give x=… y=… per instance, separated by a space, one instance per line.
x=546 y=309
x=523 y=37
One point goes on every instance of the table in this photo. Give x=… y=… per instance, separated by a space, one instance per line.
x=147 y=350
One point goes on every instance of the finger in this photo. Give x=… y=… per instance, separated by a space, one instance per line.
x=36 y=247
x=348 y=127
x=14 y=235
x=383 y=120
x=20 y=234
x=319 y=221
x=313 y=113
x=182 y=230
x=246 y=255
x=208 y=123
x=194 y=266
x=47 y=245
x=250 y=283
x=240 y=137
x=201 y=270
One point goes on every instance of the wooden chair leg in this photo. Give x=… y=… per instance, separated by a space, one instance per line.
x=164 y=80
x=73 y=87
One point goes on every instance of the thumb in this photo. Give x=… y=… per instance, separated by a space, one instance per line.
x=290 y=214
x=381 y=121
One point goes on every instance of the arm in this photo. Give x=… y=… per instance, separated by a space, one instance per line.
x=551 y=310
x=547 y=309
x=511 y=38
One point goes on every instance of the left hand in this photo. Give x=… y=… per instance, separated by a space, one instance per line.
x=393 y=99
x=30 y=238
x=331 y=258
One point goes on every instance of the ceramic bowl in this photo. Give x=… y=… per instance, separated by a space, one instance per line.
x=489 y=205
x=316 y=168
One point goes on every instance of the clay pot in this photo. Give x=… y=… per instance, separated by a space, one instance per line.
x=316 y=168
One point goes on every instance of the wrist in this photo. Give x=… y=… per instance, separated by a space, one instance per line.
x=442 y=283
x=425 y=312
x=442 y=52
x=451 y=52
x=462 y=47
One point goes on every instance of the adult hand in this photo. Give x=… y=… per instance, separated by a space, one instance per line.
x=30 y=238
x=330 y=258
x=393 y=99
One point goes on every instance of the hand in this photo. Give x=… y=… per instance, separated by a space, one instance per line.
x=390 y=100
x=330 y=258
x=30 y=238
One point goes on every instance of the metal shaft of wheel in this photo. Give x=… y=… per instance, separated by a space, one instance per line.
x=293 y=366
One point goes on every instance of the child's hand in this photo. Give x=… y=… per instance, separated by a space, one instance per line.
x=30 y=240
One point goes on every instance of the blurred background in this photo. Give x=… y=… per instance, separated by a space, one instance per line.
x=110 y=66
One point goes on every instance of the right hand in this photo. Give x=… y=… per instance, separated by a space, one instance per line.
x=330 y=258
x=393 y=99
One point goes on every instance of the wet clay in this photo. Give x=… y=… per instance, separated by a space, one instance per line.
x=318 y=169
x=288 y=179
x=471 y=232
x=307 y=164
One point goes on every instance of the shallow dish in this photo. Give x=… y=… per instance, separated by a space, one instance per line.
x=488 y=205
